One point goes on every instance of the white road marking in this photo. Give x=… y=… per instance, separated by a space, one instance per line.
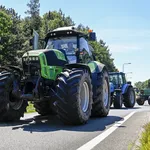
x=91 y=144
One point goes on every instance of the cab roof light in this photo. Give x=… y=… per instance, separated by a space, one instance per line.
x=90 y=30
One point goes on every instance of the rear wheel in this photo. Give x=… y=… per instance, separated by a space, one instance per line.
x=11 y=108
x=140 y=101
x=129 y=98
x=74 y=90
x=112 y=99
x=118 y=100
x=101 y=103
x=43 y=108
x=149 y=100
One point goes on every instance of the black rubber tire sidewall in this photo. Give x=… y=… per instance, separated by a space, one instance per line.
x=118 y=101
x=127 y=101
x=148 y=100
x=7 y=113
x=140 y=101
x=99 y=109
x=43 y=108
x=68 y=89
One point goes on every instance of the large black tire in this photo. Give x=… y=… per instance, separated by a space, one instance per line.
x=118 y=100
x=43 y=108
x=11 y=109
x=129 y=101
x=69 y=90
x=140 y=101
x=112 y=99
x=100 y=109
x=149 y=100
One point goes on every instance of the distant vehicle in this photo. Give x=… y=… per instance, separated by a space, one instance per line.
x=122 y=92
x=143 y=96
x=136 y=90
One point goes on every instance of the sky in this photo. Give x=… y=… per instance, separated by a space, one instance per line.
x=123 y=24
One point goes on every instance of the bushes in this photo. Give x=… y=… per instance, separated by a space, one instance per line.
x=145 y=138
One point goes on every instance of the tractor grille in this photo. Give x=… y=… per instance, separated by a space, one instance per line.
x=31 y=65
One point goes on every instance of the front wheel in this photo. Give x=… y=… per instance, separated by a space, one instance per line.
x=43 y=108
x=101 y=103
x=118 y=101
x=129 y=98
x=74 y=90
x=149 y=100
x=140 y=101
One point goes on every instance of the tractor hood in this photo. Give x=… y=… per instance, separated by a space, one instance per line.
x=35 y=52
x=49 y=53
x=51 y=61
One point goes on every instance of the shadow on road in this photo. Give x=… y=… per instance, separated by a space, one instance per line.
x=52 y=124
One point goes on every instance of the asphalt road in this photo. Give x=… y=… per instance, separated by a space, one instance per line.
x=118 y=131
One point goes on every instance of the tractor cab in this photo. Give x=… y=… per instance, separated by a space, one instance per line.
x=118 y=79
x=72 y=43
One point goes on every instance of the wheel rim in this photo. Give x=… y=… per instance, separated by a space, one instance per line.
x=15 y=103
x=132 y=97
x=84 y=97
x=105 y=93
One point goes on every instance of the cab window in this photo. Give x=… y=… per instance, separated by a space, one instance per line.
x=84 y=47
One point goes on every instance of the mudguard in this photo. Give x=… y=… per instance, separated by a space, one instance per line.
x=125 y=88
x=112 y=88
x=95 y=68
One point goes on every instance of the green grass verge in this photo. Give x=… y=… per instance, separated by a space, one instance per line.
x=131 y=145
x=145 y=138
x=30 y=108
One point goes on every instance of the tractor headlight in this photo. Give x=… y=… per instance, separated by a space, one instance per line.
x=33 y=58
x=36 y=58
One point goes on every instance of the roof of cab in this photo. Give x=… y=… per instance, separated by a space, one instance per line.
x=65 y=31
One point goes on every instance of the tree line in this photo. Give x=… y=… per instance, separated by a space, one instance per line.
x=142 y=85
x=15 y=32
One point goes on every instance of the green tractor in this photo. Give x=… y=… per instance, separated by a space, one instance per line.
x=142 y=96
x=64 y=79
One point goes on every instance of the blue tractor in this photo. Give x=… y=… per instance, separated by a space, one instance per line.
x=122 y=92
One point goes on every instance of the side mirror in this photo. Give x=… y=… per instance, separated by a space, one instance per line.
x=92 y=36
x=34 y=41
x=129 y=82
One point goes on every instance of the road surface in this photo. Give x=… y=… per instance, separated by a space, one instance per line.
x=118 y=131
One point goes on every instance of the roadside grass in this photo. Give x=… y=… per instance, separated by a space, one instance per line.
x=145 y=138
x=131 y=145
x=30 y=108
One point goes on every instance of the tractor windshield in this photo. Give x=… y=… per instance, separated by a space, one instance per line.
x=113 y=78
x=69 y=44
